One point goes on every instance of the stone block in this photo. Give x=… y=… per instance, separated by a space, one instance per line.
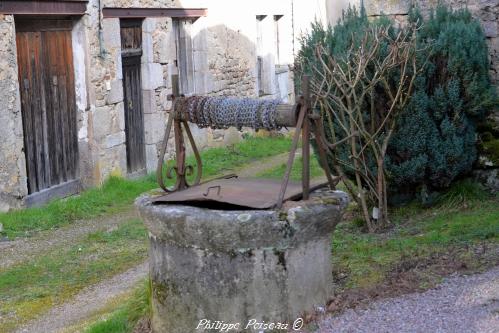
x=119 y=118
x=151 y=158
x=200 y=86
x=111 y=33
x=200 y=61
x=149 y=25
x=148 y=101
x=200 y=41
x=115 y=139
x=12 y=162
x=232 y=136
x=490 y=28
x=83 y=126
x=112 y=161
x=154 y=125
x=488 y=3
x=115 y=95
x=152 y=76
x=165 y=47
x=147 y=48
x=119 y=66
x=378 y=7
x=102 y=118
x=164 y=103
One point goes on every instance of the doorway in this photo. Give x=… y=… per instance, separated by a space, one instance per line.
x=131 y=53
x=48 y=106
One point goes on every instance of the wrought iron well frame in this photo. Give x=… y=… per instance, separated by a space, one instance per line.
x=301 y=116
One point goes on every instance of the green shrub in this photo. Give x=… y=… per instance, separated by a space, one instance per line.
x=435 y=139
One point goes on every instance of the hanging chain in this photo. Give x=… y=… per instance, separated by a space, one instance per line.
x=225 y=112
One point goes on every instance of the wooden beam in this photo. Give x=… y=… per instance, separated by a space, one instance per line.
x=153 y=12
x=59 y=191
x=65 y=7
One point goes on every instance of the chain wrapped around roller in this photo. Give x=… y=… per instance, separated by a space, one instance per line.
x=225 y=112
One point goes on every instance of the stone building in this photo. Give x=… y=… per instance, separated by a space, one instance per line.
x=84 y=83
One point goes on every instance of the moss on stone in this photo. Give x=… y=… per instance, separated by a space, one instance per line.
x=331 y=201
x=162 y=290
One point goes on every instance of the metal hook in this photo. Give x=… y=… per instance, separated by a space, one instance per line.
x=211 y=187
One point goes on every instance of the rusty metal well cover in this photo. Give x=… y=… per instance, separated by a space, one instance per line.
x=242 y=192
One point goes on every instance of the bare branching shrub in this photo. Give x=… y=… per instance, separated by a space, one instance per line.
x=361 y=96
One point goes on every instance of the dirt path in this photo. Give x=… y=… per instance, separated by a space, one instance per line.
x=22 y=249
x=460 y=304
x=87 y=302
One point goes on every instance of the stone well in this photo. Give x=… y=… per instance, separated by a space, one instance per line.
x=233 y=266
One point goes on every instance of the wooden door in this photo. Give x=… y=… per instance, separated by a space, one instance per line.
x=46 y=80
x=131 y=45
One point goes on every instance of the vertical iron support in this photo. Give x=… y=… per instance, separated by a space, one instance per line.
x=292 y=153
x=306 y=139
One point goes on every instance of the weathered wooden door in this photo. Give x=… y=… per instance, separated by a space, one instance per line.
x=131 y=46
x=46 y=80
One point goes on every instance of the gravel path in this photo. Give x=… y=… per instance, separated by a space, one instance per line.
x=22 y=249
x=87 y=302
x=460 y=304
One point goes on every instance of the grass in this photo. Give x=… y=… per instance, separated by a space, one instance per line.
x=464 y=216
x=117 y=194
x=461 y=193
x=420 y=236
x=33 y=287
x=124 y=318
x=217 y=161
x=296 y=170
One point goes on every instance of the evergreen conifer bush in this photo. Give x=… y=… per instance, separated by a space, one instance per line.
x=435 y=137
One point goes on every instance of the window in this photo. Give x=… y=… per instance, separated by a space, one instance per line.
x=185 y=62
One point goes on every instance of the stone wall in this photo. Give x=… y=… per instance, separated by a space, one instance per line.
x=224 y=61
x=487 y=11
x=12 y=162
x=224 y=64
x=106 y=83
